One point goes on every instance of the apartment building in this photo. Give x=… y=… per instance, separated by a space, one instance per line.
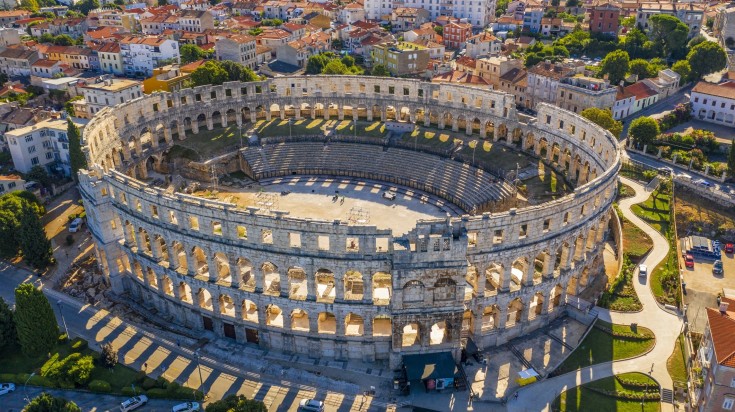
x=17 y=62
x=483 y=44
x=141 y=54
x=110 y=59
x=11 y=183
x=580 y=92
x=604 y=18
x=478 y=13
x=493 y=68
x=44 y=144
x=109 y=92
x=544 y=79
x=196 y=21
x=239 y=48
x=456 y=34
x=400 y=58
x=714 y=103
x=713 y=383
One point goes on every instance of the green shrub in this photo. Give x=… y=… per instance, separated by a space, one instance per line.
x=187 y=393
x=63 y=338
x=129 y=391
x=172 y=387
x=79 y=344
x=99 y=386
x=81 y=370
x=162 y=382
x=38 y=380
x=21 y=377
x=7 y=377
x=140 y=377
x=148 y=383
x=158 y=393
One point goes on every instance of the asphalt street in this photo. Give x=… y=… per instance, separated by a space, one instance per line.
x=88 y=402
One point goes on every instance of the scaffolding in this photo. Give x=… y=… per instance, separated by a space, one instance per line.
x=358 y=216
x=267 y=201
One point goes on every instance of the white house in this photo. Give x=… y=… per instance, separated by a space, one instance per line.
x=45 y=144
x=714 y=103
x=141 y=54
x=624 y=102
x=11 y=183
x=110 y=92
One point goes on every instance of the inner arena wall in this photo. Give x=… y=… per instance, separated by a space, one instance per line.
x=369 y=294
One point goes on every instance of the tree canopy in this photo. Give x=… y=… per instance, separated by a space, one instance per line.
x=330 y=63
x=35 y=322
x=538 y=53
x=48 y=403
x=16 y=210
x=236 y=403
x=8 y=334
x=218 y=72
x=604 y=119
x=705 y=58
x=380 y=70
x=683 y=69
x=643 y=130
x=642 y=68
x=191 y=52
x=615 y=65
x=668 y=33
x=77 y=160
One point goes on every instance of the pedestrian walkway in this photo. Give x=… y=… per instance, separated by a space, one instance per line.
x=665 y=325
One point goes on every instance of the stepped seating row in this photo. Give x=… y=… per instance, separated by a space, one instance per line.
x=468 y=187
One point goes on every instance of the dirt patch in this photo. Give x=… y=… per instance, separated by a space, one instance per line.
x=696 y=215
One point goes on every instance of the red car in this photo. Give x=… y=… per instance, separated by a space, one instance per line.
x=689 y=261
x=729 y=248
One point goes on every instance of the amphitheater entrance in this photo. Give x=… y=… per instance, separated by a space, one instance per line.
x=251 y=336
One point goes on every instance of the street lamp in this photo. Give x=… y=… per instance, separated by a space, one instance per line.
x=25 y=388
x=199 y=367
x=473 y=151
x=58 y=303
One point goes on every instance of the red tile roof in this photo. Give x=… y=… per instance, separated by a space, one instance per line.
x=725 y=89
x=640 y=90
x=722 y=330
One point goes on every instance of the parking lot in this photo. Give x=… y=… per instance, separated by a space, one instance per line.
x=702 y=287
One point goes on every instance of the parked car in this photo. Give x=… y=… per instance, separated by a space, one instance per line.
x=75 y=225
x=704 y=183
x=689 y=260
x=6 y=388
x=187 y=407
x=311 y=405
x=642 y=270
x=729 y=248
x=717 y=269
x=390 y=195
x=133 y=403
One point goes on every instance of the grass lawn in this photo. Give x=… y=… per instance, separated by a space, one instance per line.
x=636 y=242
x=207 y=143
x=625 y=191
x=656 y=211
x=586 y=398
x=677 y=363
x=600 y=346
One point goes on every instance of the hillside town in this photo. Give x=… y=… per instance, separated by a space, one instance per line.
x=657 y=76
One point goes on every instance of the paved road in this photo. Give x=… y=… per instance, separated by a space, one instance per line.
x=137 y=347
x=665 y=105
x=665 y=326
x=88 y=402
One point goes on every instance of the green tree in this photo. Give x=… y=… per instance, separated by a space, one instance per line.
x=109 y=355
x=47 y=403
x=86 y=6
x=34 y=321
x=731 y=159
x=209 y=73
x=80 y=371
x=63 y=40
x=696 y=40
x=615 y=65
x=643 y=130
x=236 y=403
x=11 y=208
x=8 y=334
x=335 y=67
x=191 y=53
x=705 y=58
x=69 y=106
x=628 y=22
x=237 y=72
x=34 y=244
x=604 y=119
x=380 y=70
x=668 y=33
x=683 y=69
x=77 y=159
x=439 y=30
x=30 y=5
x=40 y=175
x=642 y=68
x=635 y=44
x=316 y=63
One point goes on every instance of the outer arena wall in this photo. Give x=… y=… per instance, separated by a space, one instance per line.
x=210 y=265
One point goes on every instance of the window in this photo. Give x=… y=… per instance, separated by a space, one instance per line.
x=728 y=403
x=29 y=138
x=32 y=149
x=34 y=161
x=732 y=383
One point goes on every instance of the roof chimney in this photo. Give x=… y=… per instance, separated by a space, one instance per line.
x=723 y=307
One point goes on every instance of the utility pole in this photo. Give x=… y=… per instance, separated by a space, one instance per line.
x=199 y=366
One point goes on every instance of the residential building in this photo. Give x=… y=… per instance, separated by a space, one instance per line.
x=624 y=103
x=713 y=386
x=167 y=79
x=75 y=56
x=689 y=13
x=456 y=34
x=532 y=19
x=644 y=96
x=239 y=48
x=319 y=20
x=17 y=61
x=436 y=50
x=665 y=84
x=108 y=93
x=297 y=52
x=458 y=77
x=9 y=36
x=515 y=82
x=714 y=103
x=493 y=68
x=604 y=18
x=551 y=26
x=351 y=13
x=8 y=17
x=483 y=44
x=141 y=54
x=116 y=18
x=110 y=59
x=274 y=38
x=11 y=183
x=196 y=21
x=724 y=24
x=400 y=58
x=478 y=13
x=47 y=69
x=408 y=18
x=581 y=92
x=159 y=23
x=15 y=117
x=44 y=144
x=544 y=79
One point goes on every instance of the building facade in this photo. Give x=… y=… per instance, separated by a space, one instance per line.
x=714 y=103
x=43 y=144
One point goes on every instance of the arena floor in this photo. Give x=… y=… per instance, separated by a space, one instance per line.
x=358 y=202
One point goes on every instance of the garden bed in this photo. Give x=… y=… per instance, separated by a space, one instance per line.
x=626 y=392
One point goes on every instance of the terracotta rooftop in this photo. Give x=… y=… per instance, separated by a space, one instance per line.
x=722 y=329
x=640 y=90
x=725 y=89
x=459 y=77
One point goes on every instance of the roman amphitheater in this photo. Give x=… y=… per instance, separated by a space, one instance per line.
x=313 y=256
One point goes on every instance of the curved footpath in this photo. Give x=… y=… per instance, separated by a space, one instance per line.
x=665 y=326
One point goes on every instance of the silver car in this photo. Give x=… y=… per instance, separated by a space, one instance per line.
x=311 y=405
x=133 y=403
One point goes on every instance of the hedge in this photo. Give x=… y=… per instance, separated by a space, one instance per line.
x=627 y=395
x=129 y=391
x=7 y=377
x=38 y=380
x=624 y=335
x=79 y=344
x=99 y=386
x=148 y=383
x=634 y=384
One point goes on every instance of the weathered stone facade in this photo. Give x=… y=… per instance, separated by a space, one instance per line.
x=370 y=295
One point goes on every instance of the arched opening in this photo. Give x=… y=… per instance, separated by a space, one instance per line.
x=354 y=285
x=161 y=244
x=247 y=279
x=200 y=261
x=152 y=279
x=354 y=325
x=297 y=288
x=382 y=326
x=223 y=267
x=492 y=279
x=167 y=286
x=413 y=291
x=382 y=288
x=272 y=278
x=556 y=295
x=468 y=323
x=470 y=288
x=299 y=320
x=515 y=309
x=185 y=292
x=445 y=288
x=146 y=242
x=138 y=270
x=273 y=316
x=536 y=307
x=226 y=305
x=520 y=266
x=204 y=299
x=327 y=323
x=249 y=311
x=410 y=335
x=325 y=291
x=539 y=266
x=490 y=318
x=439 y=333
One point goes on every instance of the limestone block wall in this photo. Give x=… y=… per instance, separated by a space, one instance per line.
x=326 y=288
